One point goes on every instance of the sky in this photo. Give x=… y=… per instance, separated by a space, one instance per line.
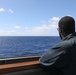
x=33 y=17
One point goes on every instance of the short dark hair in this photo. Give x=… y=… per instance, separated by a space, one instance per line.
x=67 y=23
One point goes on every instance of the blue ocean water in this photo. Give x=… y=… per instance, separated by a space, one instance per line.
x=17 y=46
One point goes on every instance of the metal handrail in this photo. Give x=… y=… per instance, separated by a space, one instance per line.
x=18 y=59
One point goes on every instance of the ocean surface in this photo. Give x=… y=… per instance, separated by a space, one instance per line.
x=17 y=46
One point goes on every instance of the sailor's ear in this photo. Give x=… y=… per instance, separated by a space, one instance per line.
x=60 y=30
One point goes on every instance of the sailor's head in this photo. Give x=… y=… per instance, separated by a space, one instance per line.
x=66 y=26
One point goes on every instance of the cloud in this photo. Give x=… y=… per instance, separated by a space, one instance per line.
x=48 y=29
x=54 y=19
x=11 y=33
x=42 y=31
x=26 y=27
x=11 y=11
x=2 y=10
x=6 y=32
x=17 y=27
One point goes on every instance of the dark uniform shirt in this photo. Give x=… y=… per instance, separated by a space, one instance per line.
x=61 y=59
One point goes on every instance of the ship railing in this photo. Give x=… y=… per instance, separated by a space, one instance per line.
x=21 y=66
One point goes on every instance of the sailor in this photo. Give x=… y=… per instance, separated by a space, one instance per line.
x=61 y=59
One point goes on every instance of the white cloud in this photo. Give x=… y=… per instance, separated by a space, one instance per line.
x=49 y=29
x=55 y=19
x=11 y=11
x=45 y=30
x=5 y=33
x=10 y=33
x=42 y=31
x=2 y=10
x=26 y=27
x=17 y=27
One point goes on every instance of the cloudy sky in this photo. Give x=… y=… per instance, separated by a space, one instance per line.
x=33 y=17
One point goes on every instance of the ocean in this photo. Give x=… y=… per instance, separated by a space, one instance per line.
x=19 y=46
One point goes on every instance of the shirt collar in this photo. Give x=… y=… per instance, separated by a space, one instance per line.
x=70 y=36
